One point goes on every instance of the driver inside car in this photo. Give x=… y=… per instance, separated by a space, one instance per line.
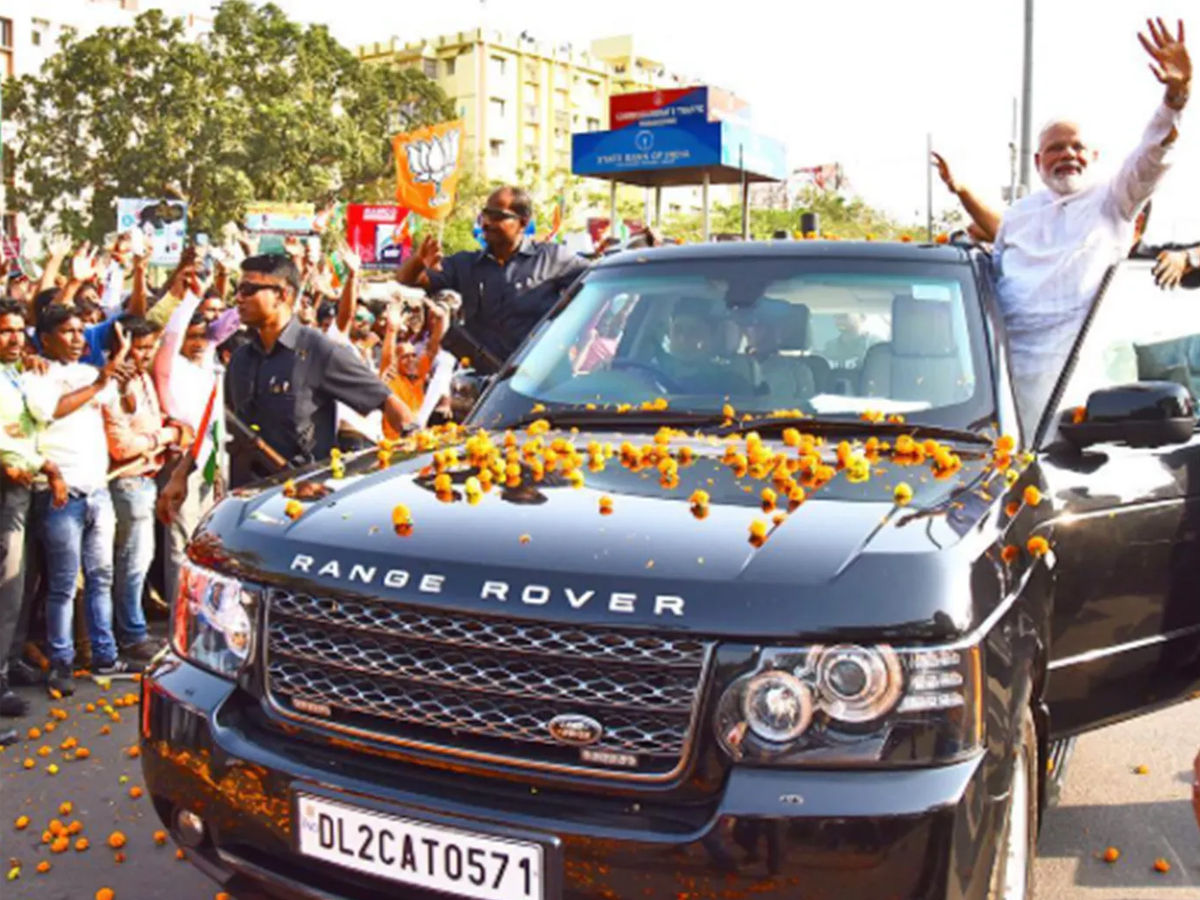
x=690 y=357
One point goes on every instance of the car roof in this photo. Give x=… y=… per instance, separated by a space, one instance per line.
x=887 y=250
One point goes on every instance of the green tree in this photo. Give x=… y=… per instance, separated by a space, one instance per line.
x=262 y=108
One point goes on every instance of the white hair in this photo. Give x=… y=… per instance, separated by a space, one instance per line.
x=1049 y=124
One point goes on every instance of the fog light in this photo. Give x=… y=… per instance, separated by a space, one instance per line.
x=190 y=828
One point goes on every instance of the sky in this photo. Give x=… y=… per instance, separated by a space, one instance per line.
x=862 y=82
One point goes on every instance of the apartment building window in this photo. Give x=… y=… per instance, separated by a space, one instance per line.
x=595 y=86
x=531 y=153
x=496 y=107
x=6 y=34
x=531 y=112
x=499 y=66
x=495 y=148
x=450 y=64
x=593 y=124
x=429 y=67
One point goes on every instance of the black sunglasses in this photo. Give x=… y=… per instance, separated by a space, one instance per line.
x=250 y=288
x=491 y=212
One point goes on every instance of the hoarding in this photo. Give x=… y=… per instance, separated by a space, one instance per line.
x=280 y=218
x=164 y=222
x=379 y=233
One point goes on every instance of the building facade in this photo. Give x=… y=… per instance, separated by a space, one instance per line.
x=521 y=99
x=30 y=32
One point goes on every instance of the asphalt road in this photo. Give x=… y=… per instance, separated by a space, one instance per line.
x=1104 y=804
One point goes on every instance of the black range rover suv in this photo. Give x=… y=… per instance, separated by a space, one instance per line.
x=612 y=669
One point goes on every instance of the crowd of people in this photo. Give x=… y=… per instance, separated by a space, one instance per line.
x=118 y=400
x=126 y=410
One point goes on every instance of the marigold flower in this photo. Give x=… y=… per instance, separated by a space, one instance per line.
x=75 y=827
x=1079 y=415
x=105 y=894
x=64 y=808
x=118 y=857
x=1111 y=855
x=1038 y=546
x=858 y=470
x=905 y=445
x=769 y=498
x=56 y=828
x=606 y=505
x=135 y=792
x=1161 y=865
x=22 y=823
x=60 y=845
x=43 y=867
x=293 y=509
x=81 y=845
x=1010 y=553
x=903 y=494
x=791 y=437
x=34 y=734
x=1032 y=496
x=758 y=530
x=116 y=840
x=1012 y=508
x=524 y=539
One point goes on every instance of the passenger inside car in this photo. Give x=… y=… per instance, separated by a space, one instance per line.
x=691 y=353
x=776 y=337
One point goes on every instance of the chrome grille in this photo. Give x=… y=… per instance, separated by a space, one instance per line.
x=483 y=687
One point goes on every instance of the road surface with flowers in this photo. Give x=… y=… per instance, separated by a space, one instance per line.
x=74 y=786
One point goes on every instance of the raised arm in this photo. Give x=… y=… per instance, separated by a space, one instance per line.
x=59 y=248
x=83 y=268
x=387 y=359
x=984 y=217
x=1142 y=171
x=414 y=271
x=349 y=298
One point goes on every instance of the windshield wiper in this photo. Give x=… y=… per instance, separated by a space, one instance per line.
x=856 y=426
x=608 y=418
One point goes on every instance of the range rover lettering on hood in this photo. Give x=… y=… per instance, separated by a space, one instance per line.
x=502 y=591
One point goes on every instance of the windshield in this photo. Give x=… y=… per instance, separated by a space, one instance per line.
x=827 y=337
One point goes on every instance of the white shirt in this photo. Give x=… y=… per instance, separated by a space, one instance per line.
x=1051 y=255
x=77 y=442
x=184 y=386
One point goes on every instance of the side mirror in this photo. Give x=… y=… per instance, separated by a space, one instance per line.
x=1145 y=414
x=465 y=391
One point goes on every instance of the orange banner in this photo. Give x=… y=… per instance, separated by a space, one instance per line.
x=427 y=167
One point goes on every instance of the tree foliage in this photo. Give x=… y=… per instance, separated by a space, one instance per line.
x=261 y=108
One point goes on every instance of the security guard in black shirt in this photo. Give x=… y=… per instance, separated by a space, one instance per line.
x=285 y=382
x=506 y=287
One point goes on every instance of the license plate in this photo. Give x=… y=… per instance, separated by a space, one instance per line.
x=451 y=860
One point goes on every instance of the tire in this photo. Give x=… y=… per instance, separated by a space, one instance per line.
x=1012 y=871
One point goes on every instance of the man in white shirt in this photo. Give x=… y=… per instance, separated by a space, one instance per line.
x=1054 y=246
x=81 y=531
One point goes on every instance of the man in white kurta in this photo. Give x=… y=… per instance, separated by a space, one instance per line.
x=1054 y=246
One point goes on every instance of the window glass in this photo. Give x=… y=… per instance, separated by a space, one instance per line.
x=1139 y=332
x=824 y=337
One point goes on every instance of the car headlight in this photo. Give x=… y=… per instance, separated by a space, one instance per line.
x=854 y=704
x=212 y=620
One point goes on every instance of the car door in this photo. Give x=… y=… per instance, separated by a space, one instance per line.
x=1125 y=627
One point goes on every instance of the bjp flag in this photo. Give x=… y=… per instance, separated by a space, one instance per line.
x=427 y=167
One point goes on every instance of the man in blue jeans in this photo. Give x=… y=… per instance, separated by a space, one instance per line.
x=138 y=439
x=82 y=530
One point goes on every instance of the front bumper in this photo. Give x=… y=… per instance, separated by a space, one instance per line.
x=903 y=834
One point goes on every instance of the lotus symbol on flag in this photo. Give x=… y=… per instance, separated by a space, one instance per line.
x=427 y=163
x=434 y=160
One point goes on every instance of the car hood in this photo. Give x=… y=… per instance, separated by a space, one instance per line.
x=847 y=560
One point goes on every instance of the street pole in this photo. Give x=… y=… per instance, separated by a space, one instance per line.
x=929 y=187
x=612 y=208
x=745 y=195
x=1012 y=158
x=1027 y=100
x=658 y=206
x=704 y=234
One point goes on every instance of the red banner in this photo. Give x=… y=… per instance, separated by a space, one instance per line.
x=380 y=234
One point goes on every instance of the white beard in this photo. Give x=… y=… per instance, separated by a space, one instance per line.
x=1066 y=184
